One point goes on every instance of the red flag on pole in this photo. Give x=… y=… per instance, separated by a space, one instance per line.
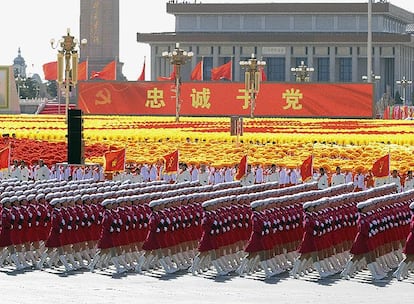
x=197 y=73
x=107 y=73
x=222 y=72
x=306 y=169
x=242 y=170
x=381 y=168
x=171 y=162
x=142 y=75
x=115 y=160
x=50 y=70
x=5 y=157
x=171 y=77
x=83 y=70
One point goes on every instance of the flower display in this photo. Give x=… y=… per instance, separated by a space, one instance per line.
x=350 y=144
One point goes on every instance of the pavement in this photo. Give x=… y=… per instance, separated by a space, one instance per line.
x=55 y=286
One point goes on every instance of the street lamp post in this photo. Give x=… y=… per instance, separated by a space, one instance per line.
x=404 y=83
x=371 y=78
x=67 y=60
x=252 y=79
x=177 y=57
x=302 y=72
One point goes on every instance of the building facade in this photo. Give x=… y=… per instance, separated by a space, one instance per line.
x=330 y=37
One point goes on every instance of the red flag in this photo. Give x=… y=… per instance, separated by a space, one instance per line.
x=50 y=70
x=142 y=76
x=197 y=73
x=306 y=169
x=171 y=77
x=242 y=170
x=263 y=74
x=171 y=162
x=381 y=168
x=222 y=71
x=107 y=73
x=4 y=158
x=83 y=70
x=115 y=160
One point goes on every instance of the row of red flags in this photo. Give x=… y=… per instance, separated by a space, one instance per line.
x=381 y=167
x=109 y=72
x=115 y=161
x=223 y=71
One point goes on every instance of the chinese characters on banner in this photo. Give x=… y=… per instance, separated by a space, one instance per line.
x=226 y=99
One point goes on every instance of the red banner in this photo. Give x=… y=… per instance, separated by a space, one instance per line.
x=227 y=98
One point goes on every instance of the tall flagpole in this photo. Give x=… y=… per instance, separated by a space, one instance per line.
x=369 y=43
x=202 y=68
x=231 y=68
x=116 y=65
x=87 y=68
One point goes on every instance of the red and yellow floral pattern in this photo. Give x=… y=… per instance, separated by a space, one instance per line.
x=351 y=144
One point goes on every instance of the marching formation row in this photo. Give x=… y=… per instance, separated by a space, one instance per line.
x=226 y=227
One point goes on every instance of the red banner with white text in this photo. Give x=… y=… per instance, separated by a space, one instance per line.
x=227 y=98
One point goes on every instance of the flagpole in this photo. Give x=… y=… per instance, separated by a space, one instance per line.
x=389 y=161
x=115 y=66
x=231 y=68
x=87 y=67
x=143 y=68
x=178 y=160
x=202 y=68
x=8 y=165
x=124 y=157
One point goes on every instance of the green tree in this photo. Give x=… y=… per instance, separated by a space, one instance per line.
x=397 y=98
x=52 y=88
x=28 y=88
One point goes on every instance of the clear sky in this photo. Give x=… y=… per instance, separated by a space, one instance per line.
x=31 y=24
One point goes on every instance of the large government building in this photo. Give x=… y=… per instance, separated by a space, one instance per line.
x=330 y=37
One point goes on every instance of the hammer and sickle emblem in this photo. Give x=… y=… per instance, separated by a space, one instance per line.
x=114 y=163
x=103 y=97
x=171 y=163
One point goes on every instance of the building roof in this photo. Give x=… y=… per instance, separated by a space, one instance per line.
x=269 y=37
x=289 y=8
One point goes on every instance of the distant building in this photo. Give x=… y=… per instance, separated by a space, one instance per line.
x=99 y=24
x=330 y=37
x=19 y=65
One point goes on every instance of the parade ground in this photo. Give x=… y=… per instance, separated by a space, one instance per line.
x=47 y=286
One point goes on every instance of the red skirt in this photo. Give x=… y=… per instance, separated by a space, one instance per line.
x=54 y=240
x=409 y=244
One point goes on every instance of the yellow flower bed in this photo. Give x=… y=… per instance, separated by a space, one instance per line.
x=350 y=144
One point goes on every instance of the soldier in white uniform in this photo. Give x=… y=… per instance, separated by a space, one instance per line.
x=348 y=177
x=184 y=175
x=153 y=174
x=15 y=170
x=145 y=172
x=259 y=174
x=194 y=173
x=203 y=175
x=137 y=177
x=248 y=179
x=228 y=174
x=273 y=175
x=42 y=172
x=322 y=179
x=294 y=177
x=24 y=171
x=337 y=178
x=359 y=181
x=394 y=178
x=409 y=181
